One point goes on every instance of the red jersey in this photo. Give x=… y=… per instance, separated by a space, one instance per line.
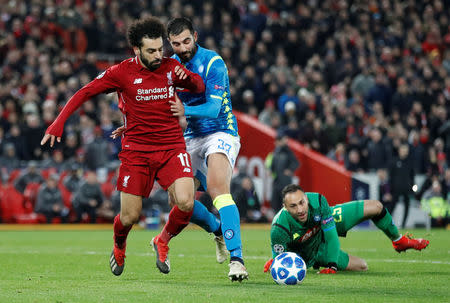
x=144 y=97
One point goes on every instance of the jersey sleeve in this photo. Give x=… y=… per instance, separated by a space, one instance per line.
x=216 y=83
x=328 y=227
x=279 y=239
x=105 y=82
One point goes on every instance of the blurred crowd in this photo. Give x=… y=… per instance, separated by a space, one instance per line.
x=353 y=80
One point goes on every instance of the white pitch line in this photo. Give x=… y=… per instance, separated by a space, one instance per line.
x=34 y=252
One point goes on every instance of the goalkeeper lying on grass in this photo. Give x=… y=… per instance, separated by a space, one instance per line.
x=307 y=225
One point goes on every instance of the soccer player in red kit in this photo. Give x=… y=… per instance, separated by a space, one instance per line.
x=153 y=147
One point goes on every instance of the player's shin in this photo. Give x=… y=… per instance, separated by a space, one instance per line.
x=120 y=231
x=177 y=221
x=205 y=219
x=231 y=229
x=385 y=223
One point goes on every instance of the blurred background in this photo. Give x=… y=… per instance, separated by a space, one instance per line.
x=355 y=93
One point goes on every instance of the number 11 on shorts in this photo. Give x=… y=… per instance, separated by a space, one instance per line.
x=184 y=159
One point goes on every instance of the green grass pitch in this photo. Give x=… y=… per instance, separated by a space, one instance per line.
x=72 y=266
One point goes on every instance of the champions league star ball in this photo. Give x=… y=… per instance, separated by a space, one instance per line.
x=288 y=268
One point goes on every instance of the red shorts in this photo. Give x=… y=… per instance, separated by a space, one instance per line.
x=139 y=170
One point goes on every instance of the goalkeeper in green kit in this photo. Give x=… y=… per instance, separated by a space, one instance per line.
x=308 y=226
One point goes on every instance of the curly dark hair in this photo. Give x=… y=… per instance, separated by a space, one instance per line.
x=177 y=25
x=147 y=28
x=291 y=188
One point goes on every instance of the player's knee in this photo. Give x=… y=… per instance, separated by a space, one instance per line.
x=215 y=191
x=130 y=217
x=378 y=206
x=373 y=208
x=185 y=201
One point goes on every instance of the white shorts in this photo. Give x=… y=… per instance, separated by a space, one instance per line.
x=200 y=148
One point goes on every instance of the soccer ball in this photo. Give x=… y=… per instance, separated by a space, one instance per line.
x=288 y=268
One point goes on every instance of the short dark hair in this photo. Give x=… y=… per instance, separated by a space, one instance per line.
x=291 y=188
x=147 y=28
x=177 y=25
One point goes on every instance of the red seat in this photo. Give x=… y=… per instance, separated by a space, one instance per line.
x=30 y=193
x=62 y=176
x=11 y=204
x=47 y=172
x=107 y=189
x=13 y=175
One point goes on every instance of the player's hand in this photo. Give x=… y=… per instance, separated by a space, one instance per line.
x=268 y=265
x=179 y=71
x=51 y=138
x=118 y=132
x=330 y=269
x=177 y=107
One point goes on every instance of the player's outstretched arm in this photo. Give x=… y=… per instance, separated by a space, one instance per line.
x=103 y=83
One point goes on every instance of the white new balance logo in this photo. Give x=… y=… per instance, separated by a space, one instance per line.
x=125 y=181
x=137 y=81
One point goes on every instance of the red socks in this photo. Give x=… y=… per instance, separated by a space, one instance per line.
x=177 y=221
x=120 y=231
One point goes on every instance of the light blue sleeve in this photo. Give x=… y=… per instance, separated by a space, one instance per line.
x=216 y=83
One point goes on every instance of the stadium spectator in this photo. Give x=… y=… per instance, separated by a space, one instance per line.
x=268 y=113
x=353 y=163
x=247 y=201
x=49 y=201
x=378 y=151
x=9 y=160
x=401 y=179
x=56 y=161
x=32 y=174
x=97 y=151
x=282 y=163
x=446 y=185
x=73 y=179
x=384 y=190
x=435 y=204
x=88 y=198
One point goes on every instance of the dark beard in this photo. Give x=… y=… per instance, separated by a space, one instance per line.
x=187 y=56
x=155 y=64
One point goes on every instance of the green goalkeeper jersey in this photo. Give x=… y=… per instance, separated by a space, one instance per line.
x=319 y=231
